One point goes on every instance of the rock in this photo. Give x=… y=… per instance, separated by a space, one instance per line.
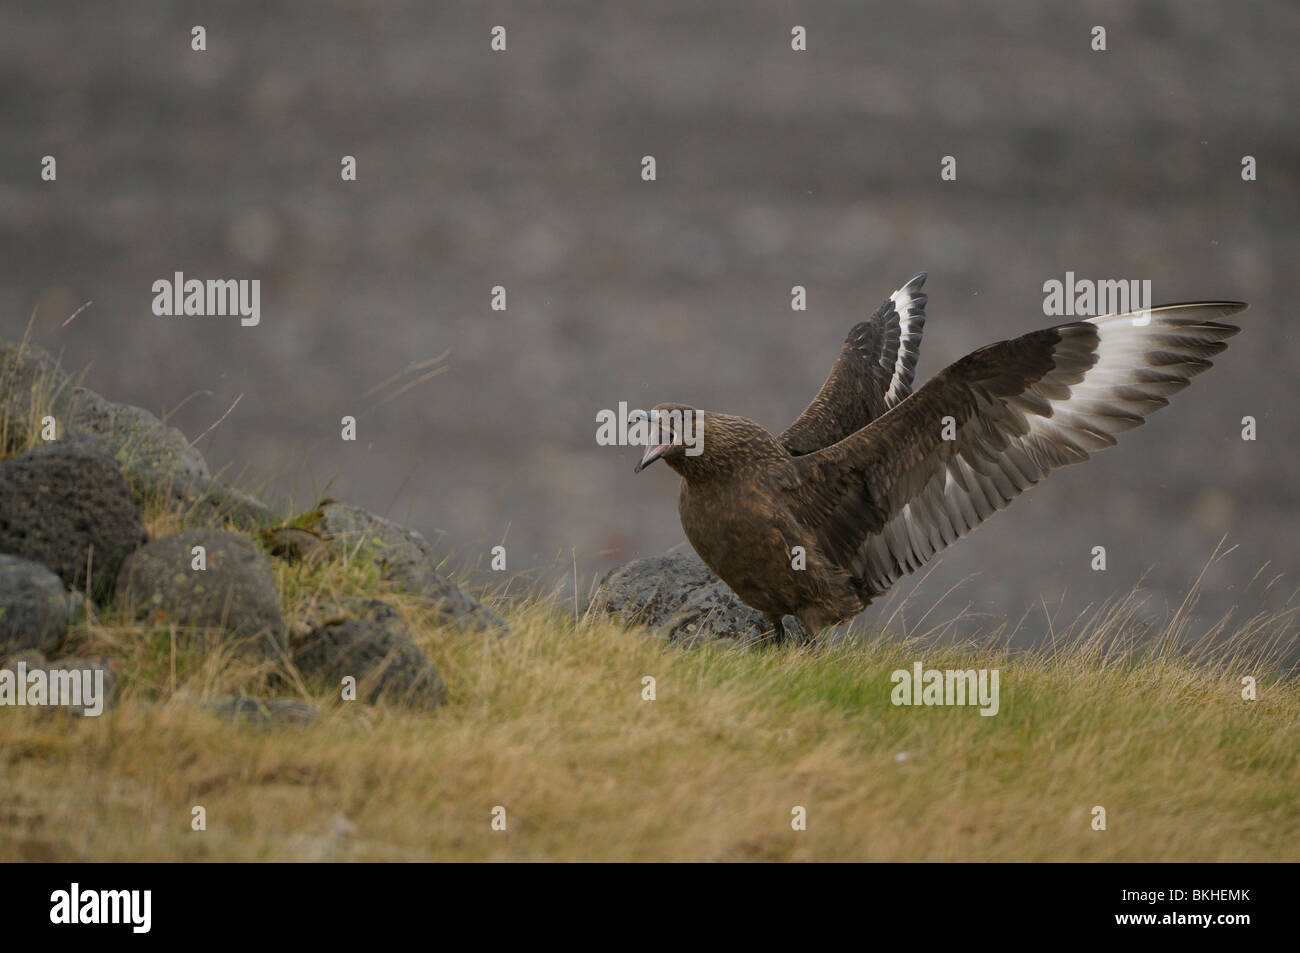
x=372 y=645
x=65 y=505
x=316 y=612
x=715 y=612
x=35 y=607
x=210 y=501
x=29 y=657
x=648 y=591
x=680 y=597
x=31 y=385
x=274 y=713
x=235 y=593
x=297 y=545
x=112 y=668
x=155 y=459
x=406 y=560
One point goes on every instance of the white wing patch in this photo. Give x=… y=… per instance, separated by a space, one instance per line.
x=1009 y=444
x=909 y=304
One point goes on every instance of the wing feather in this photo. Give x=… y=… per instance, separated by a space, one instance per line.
x=888 y=497
x=873 y=373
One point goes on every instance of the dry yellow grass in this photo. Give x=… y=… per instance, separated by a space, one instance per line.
x=550 y=724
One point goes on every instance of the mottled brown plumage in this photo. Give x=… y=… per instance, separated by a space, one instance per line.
x=872 y=480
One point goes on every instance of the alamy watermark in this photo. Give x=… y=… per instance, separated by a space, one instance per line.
x=216 y=297
x=654 y=428
x=1086 y=298
x=956 y=687
x=75 y=905
x=55 y=687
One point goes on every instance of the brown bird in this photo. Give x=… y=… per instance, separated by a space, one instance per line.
x=873 y=480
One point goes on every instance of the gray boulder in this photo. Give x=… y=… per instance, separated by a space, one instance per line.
x=649 y=591
x=297 y=545
x=31 y=385
x=236 y=593
x=111 y=668
x=35 y=607
x=680 y=597
x=275 y=713
x=715 y=612
x=31 y=658
x=66 y=506
x=209 y=500
x=157 y=460
x=370 y=643
x=405 y=559
x=154 y=457
x=159 y=463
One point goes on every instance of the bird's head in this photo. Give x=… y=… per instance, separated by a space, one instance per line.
x=698 y=442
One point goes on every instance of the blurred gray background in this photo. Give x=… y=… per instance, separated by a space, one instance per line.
x=775 y=168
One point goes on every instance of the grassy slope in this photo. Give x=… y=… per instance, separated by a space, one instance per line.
x=550 y=724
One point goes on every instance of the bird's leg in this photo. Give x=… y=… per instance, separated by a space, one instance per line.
x=778 y=631
x=812 y=626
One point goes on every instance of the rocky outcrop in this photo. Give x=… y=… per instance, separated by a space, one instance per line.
x=272 y=713
x=156 y=460
x=406 y=560
x=66 y=506
x=35 y=606
x=71 y=518
x=31 y=386
x=371 y=644
x=235 y=594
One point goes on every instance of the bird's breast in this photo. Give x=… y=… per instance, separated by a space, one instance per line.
x=742 y=537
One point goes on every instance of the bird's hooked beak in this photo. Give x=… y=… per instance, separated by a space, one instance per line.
x=658 y=429
x=652 y=453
